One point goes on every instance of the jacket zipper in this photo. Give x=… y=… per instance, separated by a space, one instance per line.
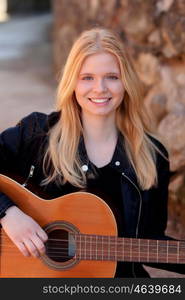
x=139 y=214
x=30 y=175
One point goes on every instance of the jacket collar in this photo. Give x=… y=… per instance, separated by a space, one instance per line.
x=52 y=119
x=119 y=160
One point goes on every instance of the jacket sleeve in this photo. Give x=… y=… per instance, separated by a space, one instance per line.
x=153 y=220
x=162 y=191
x=12 y=141
x=162 y=194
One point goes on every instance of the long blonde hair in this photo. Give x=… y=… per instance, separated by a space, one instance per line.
x=131 y=118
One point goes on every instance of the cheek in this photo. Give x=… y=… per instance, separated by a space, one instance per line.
x=118 y=90
x=81 y=92
x=82 y=88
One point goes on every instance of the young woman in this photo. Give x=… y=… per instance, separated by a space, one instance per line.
x=98 y=140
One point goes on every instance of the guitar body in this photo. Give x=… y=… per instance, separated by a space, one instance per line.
x=74 y=213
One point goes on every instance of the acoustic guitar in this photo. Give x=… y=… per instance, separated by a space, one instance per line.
x=82 y=238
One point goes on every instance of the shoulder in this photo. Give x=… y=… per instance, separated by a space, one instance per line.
x=38 y=121
x=29 y=129
x=161 y=158
x=37 y=124
x=160 y=148
x=33 y=125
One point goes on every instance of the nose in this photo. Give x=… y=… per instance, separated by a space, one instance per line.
x=100 y=86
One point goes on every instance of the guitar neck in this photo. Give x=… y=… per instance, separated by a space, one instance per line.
x=96 y=247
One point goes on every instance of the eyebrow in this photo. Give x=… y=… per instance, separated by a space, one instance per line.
x=108 y=73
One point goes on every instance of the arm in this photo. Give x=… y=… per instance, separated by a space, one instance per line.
x=161 y=197
x=27 y=235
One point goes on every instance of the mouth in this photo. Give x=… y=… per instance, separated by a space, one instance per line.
x=100 y=100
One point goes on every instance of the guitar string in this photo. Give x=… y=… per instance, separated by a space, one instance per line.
x=123 y=257
x=54 y=248
x=99 y=251
x=113 y=245
x=126 y=259
x=95 y=249
x=123 y=252
x=105 y=244
x=135 y=242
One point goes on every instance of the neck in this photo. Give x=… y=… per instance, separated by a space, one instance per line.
x=99 y=129
x=93 y=247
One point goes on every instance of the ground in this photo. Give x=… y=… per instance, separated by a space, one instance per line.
x=26 y=74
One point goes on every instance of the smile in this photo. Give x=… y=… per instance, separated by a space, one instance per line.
x=99 y=100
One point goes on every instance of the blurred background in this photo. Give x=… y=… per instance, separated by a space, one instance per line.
x=35 y=39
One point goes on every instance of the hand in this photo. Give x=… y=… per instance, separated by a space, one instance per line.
x=26 y=234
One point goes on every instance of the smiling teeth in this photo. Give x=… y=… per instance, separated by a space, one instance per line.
x=100 y=100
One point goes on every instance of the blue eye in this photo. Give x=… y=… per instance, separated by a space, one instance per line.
x=87 y=78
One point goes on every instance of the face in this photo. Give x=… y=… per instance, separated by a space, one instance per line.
x=99 y=89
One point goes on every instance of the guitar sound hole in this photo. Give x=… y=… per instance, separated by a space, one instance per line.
x=60 y=246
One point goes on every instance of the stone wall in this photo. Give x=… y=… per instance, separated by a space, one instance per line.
x=154 y=32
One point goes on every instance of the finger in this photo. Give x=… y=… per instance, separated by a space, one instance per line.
x=31 y=248
x=39 y=244
x=42 y=235
x=21 y=246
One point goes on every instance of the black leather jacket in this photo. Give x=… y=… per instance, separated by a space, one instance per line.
x=145 y=212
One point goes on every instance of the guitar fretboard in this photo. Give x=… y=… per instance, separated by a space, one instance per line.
x=96 y=247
